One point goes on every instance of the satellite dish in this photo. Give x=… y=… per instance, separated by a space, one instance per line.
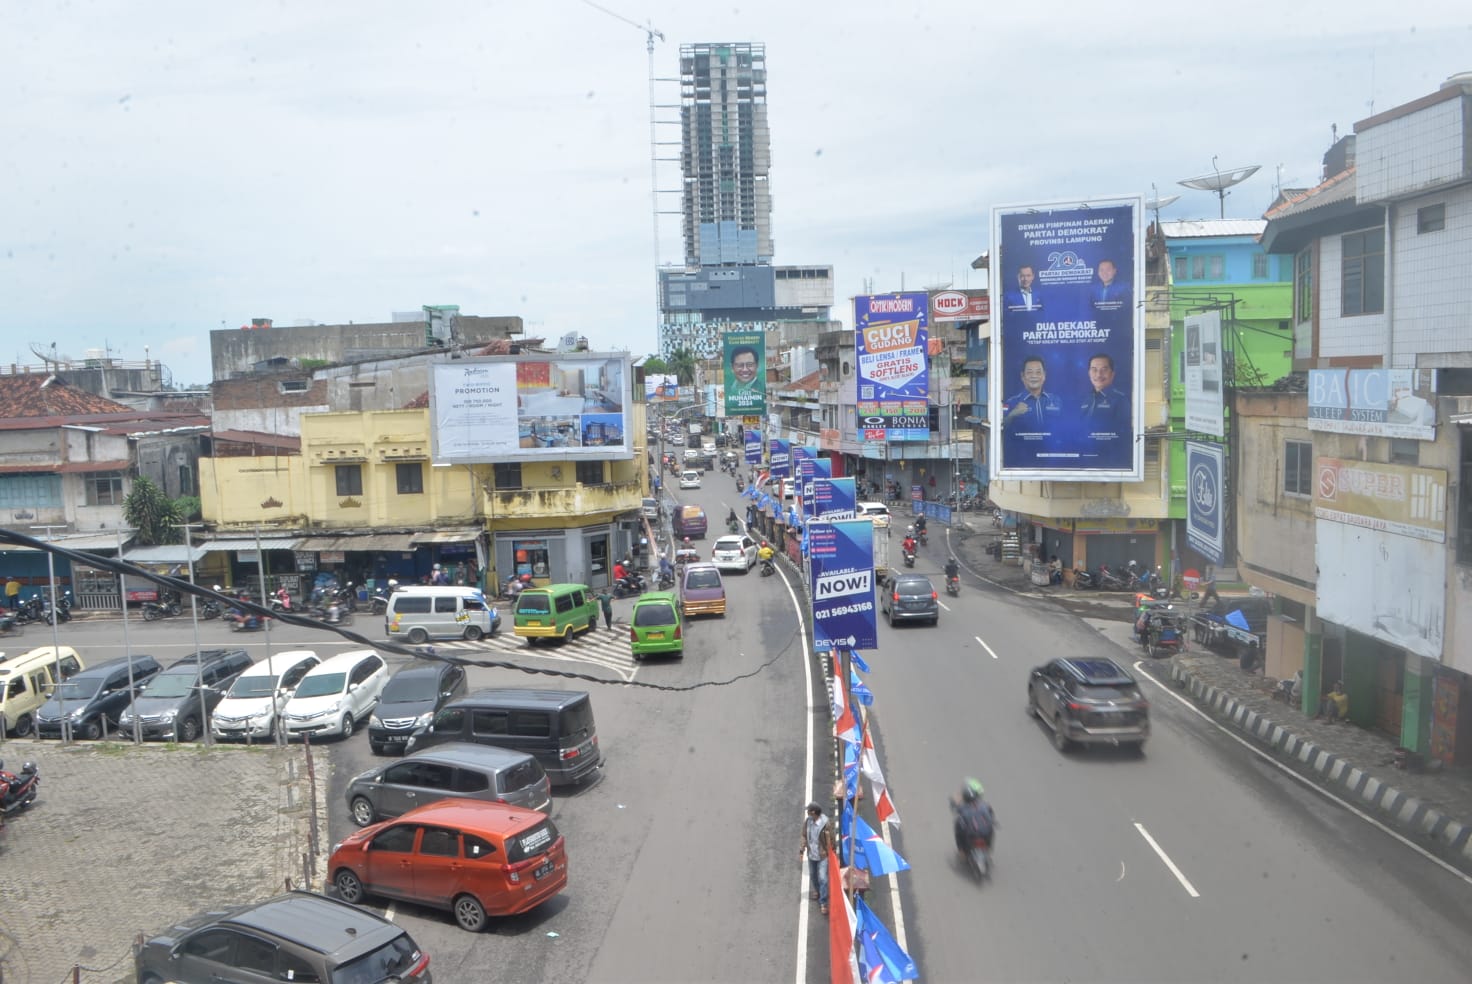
x=1219 y=181
x=1163 y=201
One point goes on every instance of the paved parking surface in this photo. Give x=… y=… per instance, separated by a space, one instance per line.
x=126 y=840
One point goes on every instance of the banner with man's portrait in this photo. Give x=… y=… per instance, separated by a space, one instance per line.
x=744 y=356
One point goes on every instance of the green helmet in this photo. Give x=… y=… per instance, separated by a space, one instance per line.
x=972 y=789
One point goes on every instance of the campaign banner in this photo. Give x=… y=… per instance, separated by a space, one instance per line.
x=890 y=341
x=811 y=468
x=744 y=356
x=1376 y=402
x=1202 y=379
x=835 y=499
x=1205 y=532
x=841 y=559
x=779 y=456
x=753 y=446
x=1068 y=342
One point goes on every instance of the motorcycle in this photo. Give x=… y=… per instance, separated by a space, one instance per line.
x=166 y=607
x=10 y=625
x=1085 y=580
x=953 y=586
x=630 y=586
x=1149 y=582
x=733 y=525
x=31 y=609
x=666 y=579
x=334 y=612
x=979 y=858
x=1110 y=581
x=768 y=568
x=378 y=600
x=211 y=609
x=18 y=791
x=63 y=609
x=242 y=621
x=909 y=558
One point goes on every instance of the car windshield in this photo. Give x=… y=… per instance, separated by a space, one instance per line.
x=728 y=543
x=78 y=689
x=914 y=588
x=703 y=579
x=322 y=685
x=413 y=687
x=654 y=614
x=1106 y=693
x=170 y=684
x=255 y=685
x=388 y=962
x=533 y=604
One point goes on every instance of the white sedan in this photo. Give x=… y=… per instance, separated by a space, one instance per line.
x=734 y=553
x=690 y=479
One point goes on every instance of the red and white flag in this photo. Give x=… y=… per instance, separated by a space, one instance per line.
x=843 y=924
x=869 y=763
x=844 y=725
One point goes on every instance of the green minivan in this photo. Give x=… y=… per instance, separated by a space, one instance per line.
x=655 y=626
x=557 y=611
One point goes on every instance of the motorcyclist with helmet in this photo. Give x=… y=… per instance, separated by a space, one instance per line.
x=920 y=528
x=765 y=553
x=908 y=546
x=953 y=573
x=974 y=816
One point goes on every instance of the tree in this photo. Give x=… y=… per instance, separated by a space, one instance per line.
x=151 y=513
x=655 y=366
x=682 y=364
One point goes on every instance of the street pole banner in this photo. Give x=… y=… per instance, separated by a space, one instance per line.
x=753 y=446
x=1203 y=374
x=834 y=499
x=779 y=456
x=1204 y=526
x=821 y=468
x=1068 y=342
x=890 y=342
x=842 y=564
x=805 y=460
x=745 y=361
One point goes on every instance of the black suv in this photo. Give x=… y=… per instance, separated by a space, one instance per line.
x=409 y=701
x=909 y=598
x=299 y=936
x=1089 y=700
x=94 y=698
x=169 y=706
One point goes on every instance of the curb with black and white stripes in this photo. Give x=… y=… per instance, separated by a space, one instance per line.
x=1403 y=811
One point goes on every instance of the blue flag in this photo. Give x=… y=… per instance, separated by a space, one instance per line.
x=850 y=769
x=857 y=690
x=872 y=854
x=858 y=660
x=881 y=961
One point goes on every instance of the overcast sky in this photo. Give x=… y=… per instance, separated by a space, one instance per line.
x=173 y=167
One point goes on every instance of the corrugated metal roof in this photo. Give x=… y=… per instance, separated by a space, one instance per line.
x=251 y=543
x=169 y=553
x=1206 y=228
x=447 y=536
x=388 y=542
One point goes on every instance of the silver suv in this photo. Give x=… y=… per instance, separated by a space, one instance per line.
x=299 y=936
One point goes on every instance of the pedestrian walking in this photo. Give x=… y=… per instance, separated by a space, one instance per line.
x=12 y=593
x=817 y=841
x=605 y=599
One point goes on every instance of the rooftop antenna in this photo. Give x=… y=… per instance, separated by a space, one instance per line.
x=1219 y=181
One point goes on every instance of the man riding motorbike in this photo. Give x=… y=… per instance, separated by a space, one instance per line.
x=908 y=546
x=765 y=553
x=975 y=819
x=732 y=523
x=920 y=528
x=953 y=575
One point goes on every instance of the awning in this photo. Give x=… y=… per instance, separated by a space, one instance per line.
x=448 y=536
x=93 y=542
x=371 y=542
x=170 y=553
x=264 y=543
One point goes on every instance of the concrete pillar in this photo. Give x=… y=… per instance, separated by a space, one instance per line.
x=1415 y=712
x=1313 y=667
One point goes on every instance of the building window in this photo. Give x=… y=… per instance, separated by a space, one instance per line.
x=294 y=385
x=590 y=473
x=1303 y=285
x=1362 y=272
x=105 y=490
x=1181 y=266
x=1201 y=267
x=186 y=480
x=410 y=477
x=1298 y=460
x=1259 y=266
x=1404 y=451
x=507 y=476
x=1430 y=218
x=349 y=479
x=1464 y=505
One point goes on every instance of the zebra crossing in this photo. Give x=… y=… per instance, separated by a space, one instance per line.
x=600 y=647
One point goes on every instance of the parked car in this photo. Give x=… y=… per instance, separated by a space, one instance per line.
x=454 y=770
x=409 y=701
x=169 y=705
x=25 y=679
x=335 y=695
x=93 y=698
x=299 y=936
x=650 y=508
x=736 y=552
x=689 y=479
x=555 y=726
x=1090 y=700
x=909 y=598
x=655 y=626
x=473 y=858
x=252 y=707
x=702 y=590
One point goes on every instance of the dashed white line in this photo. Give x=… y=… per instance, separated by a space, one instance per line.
x=1185 y=882
x=943 y=605
x=982 y=642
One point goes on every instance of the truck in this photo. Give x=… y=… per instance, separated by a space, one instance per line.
x=881 y=545
x=694 y=430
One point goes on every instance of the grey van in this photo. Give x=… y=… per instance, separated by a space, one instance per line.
x=555 y=726
x=93 y=698
x=454 y=770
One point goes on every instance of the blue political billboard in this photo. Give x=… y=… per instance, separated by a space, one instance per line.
x=779 y=456
x=1204 y=526
x=1068 y=341
x=834 y=499
x=814 y=469
x=753 y=446
x=890 y=341
x=841 y=559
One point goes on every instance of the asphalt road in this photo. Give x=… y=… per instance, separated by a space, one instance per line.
x=1194 y=862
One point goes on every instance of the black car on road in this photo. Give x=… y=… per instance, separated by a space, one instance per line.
x=909 y=598
x=93 y=698
x=409 y=702
x=169 y=706
x=1089 y=700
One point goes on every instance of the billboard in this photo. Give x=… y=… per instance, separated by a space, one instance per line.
x=525 y=407
x=1385 y=586
x=752 y=441
x=1068 y=341
x=744 y=357
x=890 y=337
x=834 y=499
x=842 y=565
x=959 y=305
x=1202 y=378
x=1399 y=499
x=779 y=456
x=810 y=469
x=1205 y=514
x=1376 y=402
x=661 y=388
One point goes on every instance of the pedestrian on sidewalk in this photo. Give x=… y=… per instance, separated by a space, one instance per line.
x=817 y=841
x=1335 y=705
x=1208 y=587
x=605 y=599
x=12 y=593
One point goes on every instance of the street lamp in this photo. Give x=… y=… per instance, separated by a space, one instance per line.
x=66 y=731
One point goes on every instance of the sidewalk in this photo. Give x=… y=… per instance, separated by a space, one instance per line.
x=1432 y=807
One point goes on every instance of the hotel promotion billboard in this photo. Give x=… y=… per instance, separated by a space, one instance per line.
x=1068 y=341
x=745 y=360
x=521 y=408
x=894 y=378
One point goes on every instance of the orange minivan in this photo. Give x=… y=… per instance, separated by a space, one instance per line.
x=475 y=858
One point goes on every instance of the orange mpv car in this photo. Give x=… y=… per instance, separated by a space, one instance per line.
x=475 y=858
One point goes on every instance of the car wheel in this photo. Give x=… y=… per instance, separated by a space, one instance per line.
x=418 y=637
x=92 y=730
x=22 y=726
x=152 y=979
x=187 y=730
x=347 y=726
x=470 y=914
x=362 y=811
x=473 y=633
x=349 y=888
x=638 y=657
x=1140 y=749
x=1060 y=734
x=1032 y=702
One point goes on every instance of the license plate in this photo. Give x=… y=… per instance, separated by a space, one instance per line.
x=543 y=871
x=656 y=635
x=398 y=737
x=534 y=621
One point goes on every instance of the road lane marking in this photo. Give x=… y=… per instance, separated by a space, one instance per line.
x=989 y=649
x=1185 y=882
x=801 y=974
x=1121 y=872
x=1302 y=780
x=943 y=605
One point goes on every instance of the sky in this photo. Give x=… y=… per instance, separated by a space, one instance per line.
x=172 y=168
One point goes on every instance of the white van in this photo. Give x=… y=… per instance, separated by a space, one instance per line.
x=254 y=701
x=25 y=682
x=334 y=696
x=425 y=613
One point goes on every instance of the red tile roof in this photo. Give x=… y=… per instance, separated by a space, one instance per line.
x=35 y=395
x=1334 y=189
